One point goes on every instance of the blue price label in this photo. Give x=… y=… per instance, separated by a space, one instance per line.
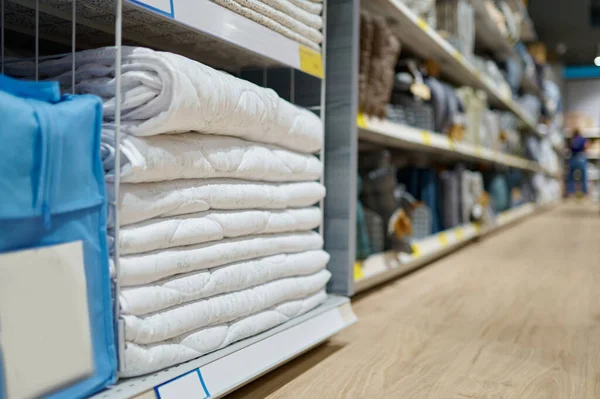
x=187 y=386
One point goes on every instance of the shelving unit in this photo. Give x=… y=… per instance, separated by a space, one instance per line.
x=218 y=373
x=382 y=267
x=198 y=29
x=391 y=134
x=428 y=44
x=204 y=31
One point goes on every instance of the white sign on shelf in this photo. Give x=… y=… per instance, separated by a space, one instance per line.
x=164 y=7
x=187 y=386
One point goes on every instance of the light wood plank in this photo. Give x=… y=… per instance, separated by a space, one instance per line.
x=516 y=315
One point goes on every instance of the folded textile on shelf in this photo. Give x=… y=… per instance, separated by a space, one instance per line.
x=220 y=309
x=276 y=24
x=229 y=278
x=197 y=228
x=144 y=359
x=144 y=201
x=309 y=31
x=301 y=13
x=166 y=93
x=313 y=7
x=153 y=266
x=200 y=156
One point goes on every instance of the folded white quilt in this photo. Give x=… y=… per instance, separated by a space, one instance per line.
x=144 y=359
x=233 y=277
x=278 y=24
x=197 y=228
x=301 y=14
x=153 y=266
x=308 y=5
x=167 y=93
x=309 y=31
x=220 y=309
x=201 y=156
x=144 y=201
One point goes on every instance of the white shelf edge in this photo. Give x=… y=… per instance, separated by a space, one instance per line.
x=238 y=364
x=389 y=265
x=381 y=131
x=410 y=27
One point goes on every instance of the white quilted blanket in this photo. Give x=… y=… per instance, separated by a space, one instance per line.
x=220 y=309
x=144 y=201
x=167 y=93
x=153 y=266
x=144 y=359
x=300 y=13
x=206 y=283
x=200 y=156
x=275 y=20
x=197 y=228
x=312 y=7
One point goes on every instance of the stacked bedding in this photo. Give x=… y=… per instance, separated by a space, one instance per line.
x=299 y=20
x=217 y=203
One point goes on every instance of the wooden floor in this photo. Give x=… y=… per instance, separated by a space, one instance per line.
x=516 y=315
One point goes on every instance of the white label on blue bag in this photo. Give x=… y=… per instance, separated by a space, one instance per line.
x=45 y=329
x=164 y=7
x=187 y=386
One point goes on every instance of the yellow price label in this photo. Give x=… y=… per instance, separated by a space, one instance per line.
x=443 y=239
x=426 y=137
x=478 y=151
x=358 y=271
x=477 y=227
x=361 y=121
x=451 y=144
x=311 y=61
x=459 y=233
x=416 y=250
x=457 y=54
x=422 y=24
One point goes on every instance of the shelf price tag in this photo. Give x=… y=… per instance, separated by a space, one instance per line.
x=443 y=239
x=361 y=121
x=187 y=386
x=358 y=271
x=426 y=137
x=459 y=233
x=451 y=144
x=416 y=250
x=422 y=24
x=478 y=151
x=311 y=61
x=457 y=55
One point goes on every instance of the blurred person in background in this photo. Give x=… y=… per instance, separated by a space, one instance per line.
x=577 y=163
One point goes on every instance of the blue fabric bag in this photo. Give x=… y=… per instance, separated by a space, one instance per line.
x=50 y=164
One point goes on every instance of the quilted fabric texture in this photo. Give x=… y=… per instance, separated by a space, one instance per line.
x=153 y=266
x=168 y=93
x=195 y=156
x=206 y=283
x=143 y=359
x=143 y=201
x=220 y=309
x=313 y=7
x=300 y=13
x=197 y=228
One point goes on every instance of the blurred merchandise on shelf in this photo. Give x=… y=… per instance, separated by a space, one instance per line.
x=379 y=53
x=447 y=107
x=425 y=9
x=527 y=61
x=513 y=73
x=539 y=52
x=494 y=75
x=363 y=245
x=475 y=103
x=449 y=200
x=531 y=105
x=456 y=23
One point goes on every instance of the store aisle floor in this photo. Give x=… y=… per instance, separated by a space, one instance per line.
x=516 y=315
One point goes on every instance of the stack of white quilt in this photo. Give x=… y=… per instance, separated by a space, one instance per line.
x=299 y=20
x=217 y=239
